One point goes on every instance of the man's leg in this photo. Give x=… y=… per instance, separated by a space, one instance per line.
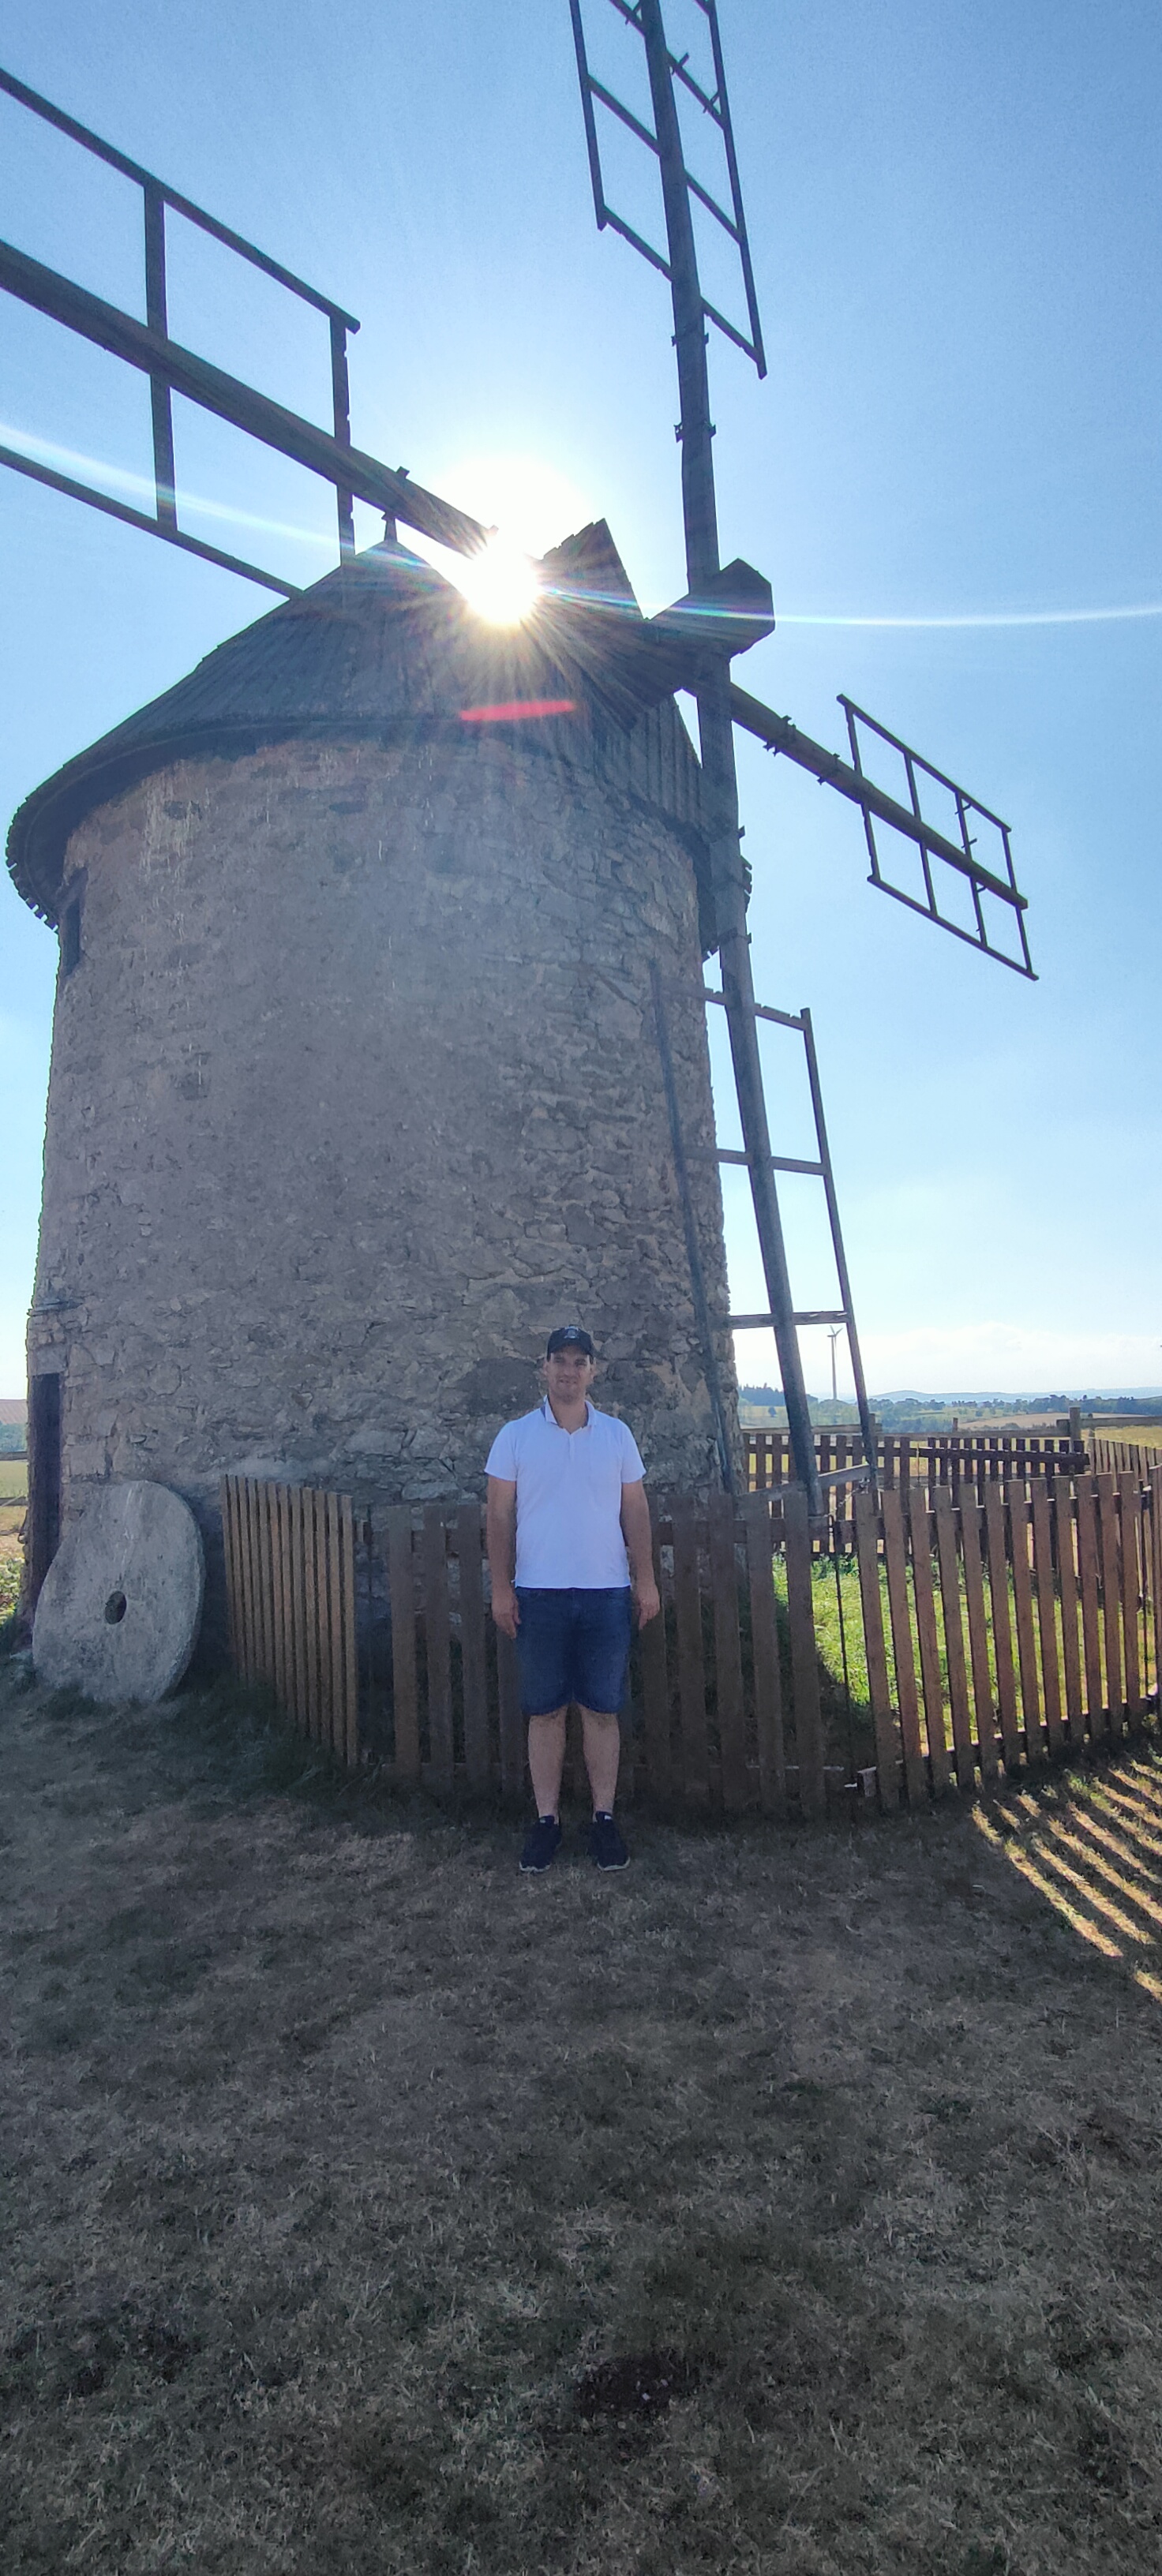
x=542 y=1654
x=605 y=1622
x=547 y=1760
x=601 y=1735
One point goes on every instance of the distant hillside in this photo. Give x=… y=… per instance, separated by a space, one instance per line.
x=908 y=1410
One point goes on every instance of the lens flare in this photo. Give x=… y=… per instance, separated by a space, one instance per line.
x=500 y=583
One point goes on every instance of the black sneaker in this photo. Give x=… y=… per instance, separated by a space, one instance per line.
x=543 y=1844
x=605 y=1844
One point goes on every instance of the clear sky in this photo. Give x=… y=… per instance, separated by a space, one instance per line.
x=955 y=224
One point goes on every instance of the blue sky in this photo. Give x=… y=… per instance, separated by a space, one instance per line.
x=955 y=224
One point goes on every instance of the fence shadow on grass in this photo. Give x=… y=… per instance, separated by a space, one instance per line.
x=1091 y=1845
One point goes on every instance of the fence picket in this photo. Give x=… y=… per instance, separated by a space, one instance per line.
x=727 y=1654
x=998 y=1565
x=350 y=1657
x=254 y=1574
x=656 y=1689
x=982 y=1680
x=233 y=1638
x=924 y=1597
x=251 y=1593
x=325 y=1510
x=320 y=1644
x=1111 y=1599
x=804 y=1653
x=1156 y=1571
x=247 y=1585
x=691 y=1672
x=1023 y=1621
x=907 y=1700
x=868 y=1559
x=269 y=1574
x=331 y=1663
x=284 y=1600
x=513 y=1736
x=268 y=1539
x=765 y=1647
x=1046 y=1609
x=1068 y=1560
x=302 y=1605
x=402 y=1591
x=950 y=1603
x=472 y=1644
x=257 y=1623
x=439 y=1644
x=322 y=1620
x=1087 y=1571
x=1130 y=1524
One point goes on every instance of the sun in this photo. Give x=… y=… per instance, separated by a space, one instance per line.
x=526 y=506
x=500 y=582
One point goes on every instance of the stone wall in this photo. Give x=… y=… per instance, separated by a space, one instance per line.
x=355 y=1093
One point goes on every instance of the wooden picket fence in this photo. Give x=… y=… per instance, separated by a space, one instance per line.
x=1010 y=1630
x=290 y=1592
x=953 y=1458
x=374 y=1634
x=1123 y=1457
x=978 y=1634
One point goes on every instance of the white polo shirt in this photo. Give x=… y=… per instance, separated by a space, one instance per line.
x=568 y=1498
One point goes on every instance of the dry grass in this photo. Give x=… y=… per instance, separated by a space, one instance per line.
x=786 y=2206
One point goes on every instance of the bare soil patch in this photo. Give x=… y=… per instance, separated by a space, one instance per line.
x=785 y=2205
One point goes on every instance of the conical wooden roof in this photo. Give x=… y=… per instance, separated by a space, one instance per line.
x=385 y=646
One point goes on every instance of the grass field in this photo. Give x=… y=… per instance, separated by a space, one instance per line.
x=786 y=2206
x=13 y=1506
x=13 y=1498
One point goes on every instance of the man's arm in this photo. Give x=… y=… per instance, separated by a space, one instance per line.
x=500 y=1541
x=639 y=1546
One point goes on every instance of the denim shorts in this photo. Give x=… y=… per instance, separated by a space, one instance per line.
x=573 y=1649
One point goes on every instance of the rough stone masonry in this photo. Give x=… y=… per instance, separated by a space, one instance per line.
x=355 y=1086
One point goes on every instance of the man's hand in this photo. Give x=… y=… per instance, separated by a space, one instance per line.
x=501 y=1544
x=648 y=1601
x=505 y=1607
x=635 y=1522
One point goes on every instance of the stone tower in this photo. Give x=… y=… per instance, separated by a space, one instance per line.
x=355 y=1085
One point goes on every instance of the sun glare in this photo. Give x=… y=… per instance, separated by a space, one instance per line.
x=527 y=507
x=500 y=582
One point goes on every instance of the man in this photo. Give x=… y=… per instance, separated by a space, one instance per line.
x=568 y=1527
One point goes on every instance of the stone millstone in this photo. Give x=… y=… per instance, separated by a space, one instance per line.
x=119 y=1608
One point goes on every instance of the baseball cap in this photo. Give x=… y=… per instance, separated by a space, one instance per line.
x=569 y=1337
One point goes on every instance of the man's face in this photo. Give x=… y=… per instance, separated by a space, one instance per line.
x=569 y=1374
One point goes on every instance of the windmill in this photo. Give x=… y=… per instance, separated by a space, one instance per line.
x=690 y=646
